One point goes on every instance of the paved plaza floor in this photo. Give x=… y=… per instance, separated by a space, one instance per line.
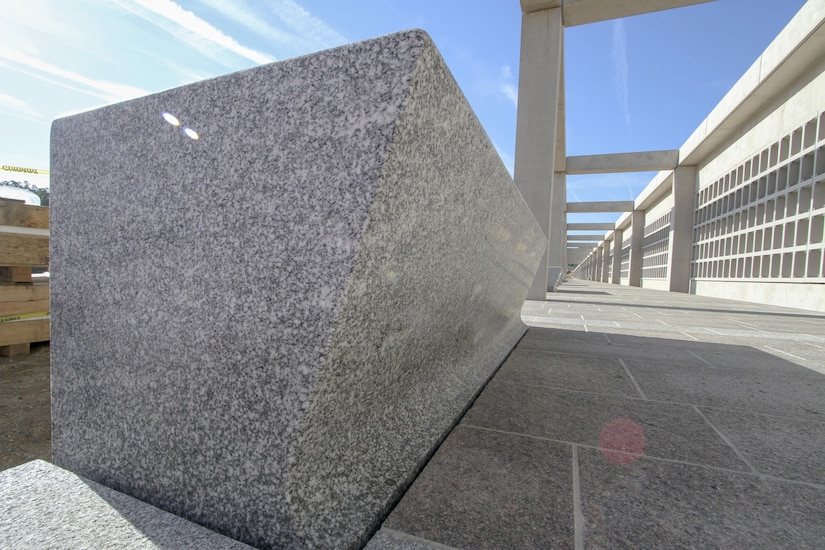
x=631 y=418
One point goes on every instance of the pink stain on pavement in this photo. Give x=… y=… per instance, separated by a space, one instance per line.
x=622 y=441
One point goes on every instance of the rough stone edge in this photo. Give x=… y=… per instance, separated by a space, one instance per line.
x=45 y=506
x=511 y=333
x=390 y=539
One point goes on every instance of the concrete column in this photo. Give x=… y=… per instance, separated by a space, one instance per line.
x=618 y=239
x=593 y=265
x=637 y=223
x=557 y=251
x=681 y=228
x=538 y=99
x=605 y=261
x=565 y=257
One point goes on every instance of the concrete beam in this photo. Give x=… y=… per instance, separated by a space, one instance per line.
x=590 y=226
x=605 y=206
x=582 y=12
x=624 y=220
x=648 y=161
x=529 y=6
x=656 y=190
x=598 y=238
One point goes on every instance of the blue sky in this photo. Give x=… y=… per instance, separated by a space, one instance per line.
x=639 y=83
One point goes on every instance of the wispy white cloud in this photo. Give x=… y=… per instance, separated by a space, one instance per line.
x=312 y=29
x=110 y=91
x=17 y=107
x=198 y=32
x=575 y=196
x=621 y=68
x=507 y=86
x=249 y=17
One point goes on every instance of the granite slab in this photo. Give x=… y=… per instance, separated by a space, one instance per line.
x=785 y=390
x=657 y=504
x=789 y=448
x=488 y=490
x=268 y=329
x=43 y=506
x=609 y=422
x=388 y=539
x=566 y=371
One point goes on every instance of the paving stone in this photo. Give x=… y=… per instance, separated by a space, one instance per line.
x=657 y=504
x=567 y=371
x=630 y=347
x=676 y=432
x=387 y=539
x=785 y=390
x=490 y=490
x=549 y=334
x=789 y=448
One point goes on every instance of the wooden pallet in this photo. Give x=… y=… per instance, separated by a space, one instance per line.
x=24 y=302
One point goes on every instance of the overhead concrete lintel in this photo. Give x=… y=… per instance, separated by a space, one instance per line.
x=529 y=6
x=584 y=237
x=648 y=161
x=582 y=12
x=604 y=206
x=590 y=226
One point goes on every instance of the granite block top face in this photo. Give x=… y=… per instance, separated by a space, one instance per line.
x=43 y=506
x=267 y=330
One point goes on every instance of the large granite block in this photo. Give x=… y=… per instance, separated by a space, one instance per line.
x=268 y=329
x=43 y=506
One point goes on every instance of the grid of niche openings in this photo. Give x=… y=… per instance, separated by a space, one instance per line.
x=625 y=272
x=765 y=219
x=655 y=248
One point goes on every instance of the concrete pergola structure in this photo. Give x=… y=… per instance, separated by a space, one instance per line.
x=742 y=215
x=541 y=164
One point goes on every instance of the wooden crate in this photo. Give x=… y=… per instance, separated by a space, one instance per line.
x=24 y=303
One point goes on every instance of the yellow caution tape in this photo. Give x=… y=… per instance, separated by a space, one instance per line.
x=8 y=168
x=20 y=316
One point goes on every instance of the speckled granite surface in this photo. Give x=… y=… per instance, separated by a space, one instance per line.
x=268 y=329
x=387 y=539
x=43 y=506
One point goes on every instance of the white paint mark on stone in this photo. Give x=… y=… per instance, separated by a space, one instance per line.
x=786 y=353
x=708 y=363
x=632 y=379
